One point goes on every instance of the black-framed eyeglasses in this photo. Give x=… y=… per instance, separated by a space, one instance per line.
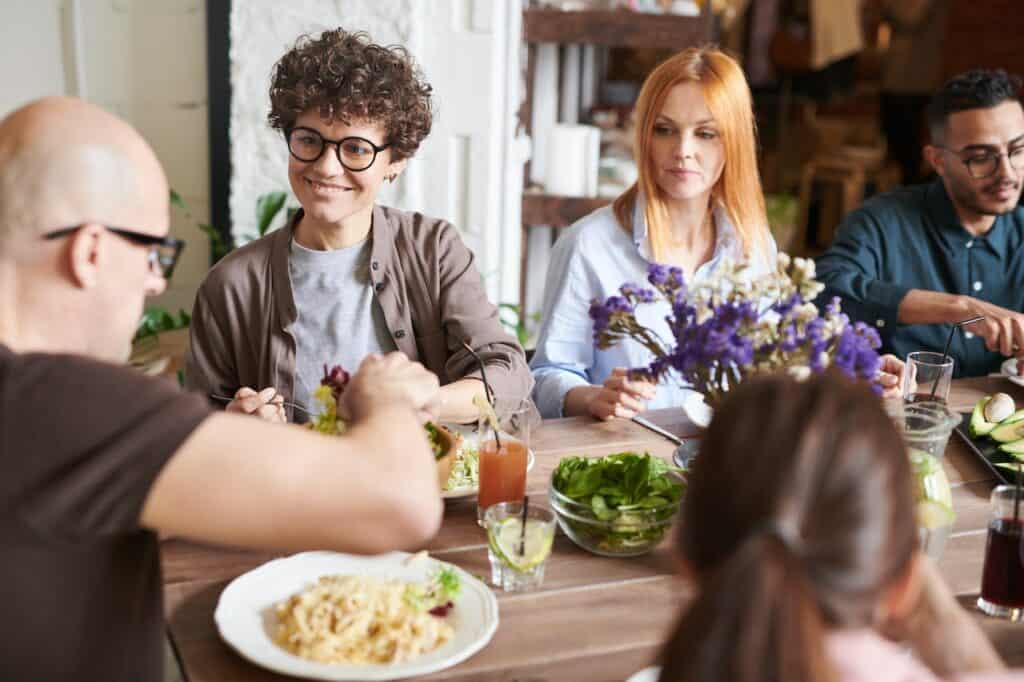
x=985 y=164
x=354 y=153
x=163 y=251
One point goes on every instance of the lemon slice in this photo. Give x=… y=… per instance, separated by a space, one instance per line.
x=933 y=515
x=504 y=540
x=930 y=478
x=486 y=411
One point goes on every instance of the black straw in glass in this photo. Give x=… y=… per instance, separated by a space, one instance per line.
x=487 y=386
x=483 y=372
x=949 y=341
x=1016 y=494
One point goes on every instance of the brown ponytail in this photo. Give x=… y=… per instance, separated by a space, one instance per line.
x=797 y=517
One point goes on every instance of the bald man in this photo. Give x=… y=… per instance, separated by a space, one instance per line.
x=95 y=459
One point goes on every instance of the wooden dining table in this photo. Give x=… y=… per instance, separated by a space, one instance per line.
x=594 y=618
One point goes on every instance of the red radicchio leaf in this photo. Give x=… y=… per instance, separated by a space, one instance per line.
x=337 y=378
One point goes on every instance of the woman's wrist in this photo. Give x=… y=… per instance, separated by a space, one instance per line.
x=456 y=401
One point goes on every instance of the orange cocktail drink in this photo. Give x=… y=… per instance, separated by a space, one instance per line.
x=502 y=472
x=504 y=451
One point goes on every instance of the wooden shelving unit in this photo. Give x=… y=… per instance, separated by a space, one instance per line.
x=605 y=28
x=556 y=211
x=615 y=28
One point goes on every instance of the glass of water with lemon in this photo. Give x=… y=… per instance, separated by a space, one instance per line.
x=518 y=555
x=926 y=427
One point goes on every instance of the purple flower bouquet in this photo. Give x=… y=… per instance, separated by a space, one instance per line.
x=732 y=326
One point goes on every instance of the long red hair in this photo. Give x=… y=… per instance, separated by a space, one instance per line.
x=738 y=189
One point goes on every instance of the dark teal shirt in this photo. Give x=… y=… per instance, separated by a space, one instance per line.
x=913 y=239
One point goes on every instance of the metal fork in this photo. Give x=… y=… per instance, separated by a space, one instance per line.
x=294 y=406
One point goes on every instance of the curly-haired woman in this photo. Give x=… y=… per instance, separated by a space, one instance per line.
x=347 y=277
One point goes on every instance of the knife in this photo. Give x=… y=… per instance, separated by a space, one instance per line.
x=656 y=429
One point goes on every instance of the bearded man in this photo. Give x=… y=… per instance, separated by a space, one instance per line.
x=917 y=260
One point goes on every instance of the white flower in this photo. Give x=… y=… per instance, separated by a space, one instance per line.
x=805 y=313
x=799 y=372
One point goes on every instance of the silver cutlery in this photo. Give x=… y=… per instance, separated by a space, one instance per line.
x=656 y=429
x=294 y=406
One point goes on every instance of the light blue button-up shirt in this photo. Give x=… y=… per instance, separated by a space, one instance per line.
x=592 y=259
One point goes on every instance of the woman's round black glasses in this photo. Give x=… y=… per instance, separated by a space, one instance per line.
x=354 y=153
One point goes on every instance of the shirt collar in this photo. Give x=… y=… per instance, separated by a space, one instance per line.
x=726 y=240
x=952 y=235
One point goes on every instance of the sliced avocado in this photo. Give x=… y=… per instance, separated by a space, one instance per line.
x=1013 y=447
x=1007 y=432
x=1007 y=466
x=979 y=426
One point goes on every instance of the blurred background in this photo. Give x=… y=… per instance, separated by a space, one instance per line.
x=534 y=103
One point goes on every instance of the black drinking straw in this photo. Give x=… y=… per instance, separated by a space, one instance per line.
x=487 y=387
x=949 y=341
x=1016 y=495
x=526 y=507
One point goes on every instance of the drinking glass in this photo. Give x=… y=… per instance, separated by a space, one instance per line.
x=926 y=377
x=926 y=428
x=1002 y=579
x=503 y=455
x=518 y=557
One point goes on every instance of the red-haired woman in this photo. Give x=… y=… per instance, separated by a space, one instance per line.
x=697 y=203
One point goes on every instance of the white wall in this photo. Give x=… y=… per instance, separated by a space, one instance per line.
x=31 y=56
x=144 y=60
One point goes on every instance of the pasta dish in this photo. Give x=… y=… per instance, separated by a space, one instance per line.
x=366 y=620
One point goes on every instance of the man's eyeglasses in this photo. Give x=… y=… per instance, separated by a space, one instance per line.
x=163 y=251
x=354 y=153
x=985 y=164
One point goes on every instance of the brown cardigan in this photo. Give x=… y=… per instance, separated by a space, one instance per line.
x=425 y=281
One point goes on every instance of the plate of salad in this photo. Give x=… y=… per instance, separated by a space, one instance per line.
x=455 y=448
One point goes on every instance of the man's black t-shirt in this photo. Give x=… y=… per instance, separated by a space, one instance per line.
x=81 y=443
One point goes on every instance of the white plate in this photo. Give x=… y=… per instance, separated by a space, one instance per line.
x=246 y=619
x=472 y=439
x=1009 y=370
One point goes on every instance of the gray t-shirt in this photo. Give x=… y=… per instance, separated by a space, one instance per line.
x=339 y=319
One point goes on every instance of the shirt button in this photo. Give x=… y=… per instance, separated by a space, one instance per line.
x=378 y=287
x=977 y=286
x=969 y=335
x=969 y=244
x=879 y=323
x=400 y=334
